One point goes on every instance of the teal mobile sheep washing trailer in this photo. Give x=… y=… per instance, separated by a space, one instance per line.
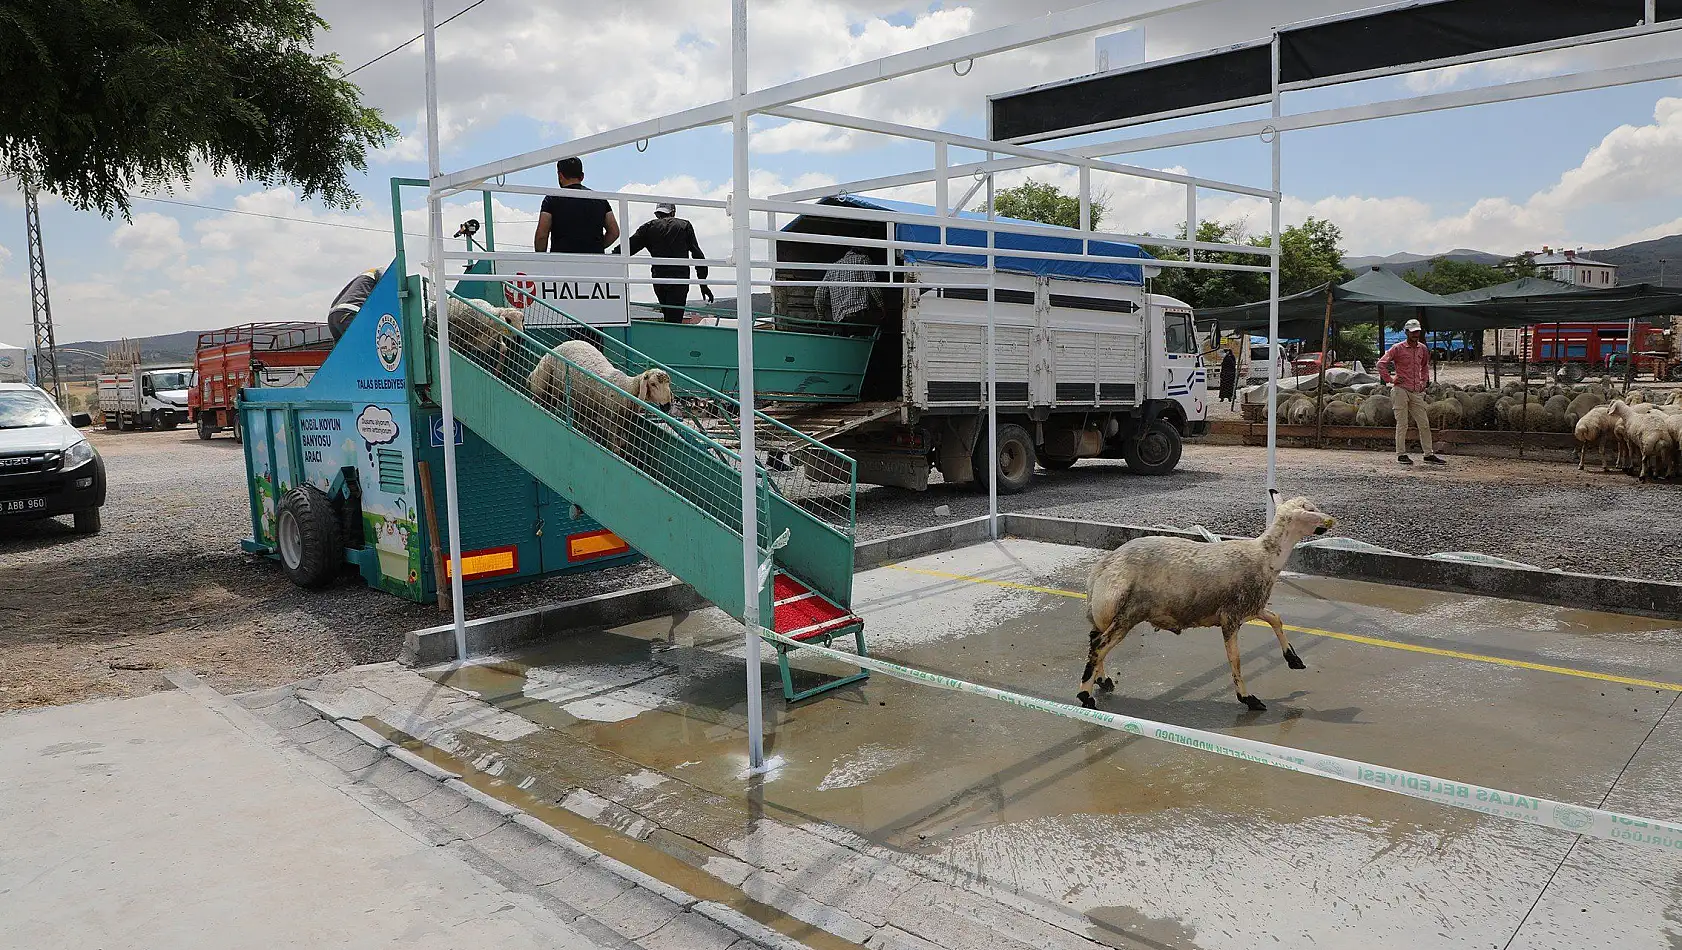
x=555 y=481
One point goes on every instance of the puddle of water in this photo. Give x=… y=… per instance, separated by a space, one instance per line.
x=638 y=854
x=1127 y=928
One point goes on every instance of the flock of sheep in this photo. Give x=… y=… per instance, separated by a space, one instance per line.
x=1546 y=408
x=1642 y=437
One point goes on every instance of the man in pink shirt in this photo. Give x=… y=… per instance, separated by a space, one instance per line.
x=1407 y=366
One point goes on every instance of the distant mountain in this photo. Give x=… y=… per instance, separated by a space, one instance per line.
x=164 y=350
x=1407 y=263
x=1639 y=263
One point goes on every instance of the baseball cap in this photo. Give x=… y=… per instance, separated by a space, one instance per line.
x=1411 y=326
x=665 y=207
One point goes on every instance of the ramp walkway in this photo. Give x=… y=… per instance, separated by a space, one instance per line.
x=665 y=479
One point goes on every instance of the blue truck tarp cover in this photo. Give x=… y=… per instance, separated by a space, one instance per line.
x=1104 y=271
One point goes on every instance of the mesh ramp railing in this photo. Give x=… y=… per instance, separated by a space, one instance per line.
x=673 y=446
x=818 y=479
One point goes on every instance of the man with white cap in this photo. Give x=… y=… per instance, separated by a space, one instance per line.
x=1408 y=364
x=672 y=237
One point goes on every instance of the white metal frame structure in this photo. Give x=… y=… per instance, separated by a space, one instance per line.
x=781 y=101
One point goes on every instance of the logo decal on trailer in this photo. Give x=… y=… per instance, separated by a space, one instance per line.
x=388 y=342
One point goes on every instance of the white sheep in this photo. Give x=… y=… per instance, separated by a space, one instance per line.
x=602 y=415
x=1648 y=436
x=1599 y=428
x=1176 y=584
x=483 y=333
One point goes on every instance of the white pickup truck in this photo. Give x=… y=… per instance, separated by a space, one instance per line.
x=1089 y=364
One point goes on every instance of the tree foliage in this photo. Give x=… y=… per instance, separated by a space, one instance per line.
x=1312 y=255
x=1447 y=276
x=107 y=96
x=1046 y=203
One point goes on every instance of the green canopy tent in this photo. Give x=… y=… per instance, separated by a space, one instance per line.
x=1379 y=296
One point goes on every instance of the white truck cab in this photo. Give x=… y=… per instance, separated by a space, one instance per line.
x=153 y=398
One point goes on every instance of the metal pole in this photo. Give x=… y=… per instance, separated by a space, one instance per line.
x=743 y=253
x=1086 y=199
x=1273 y=306
x=1320 y=392
x=992 y=373
x=441 y=298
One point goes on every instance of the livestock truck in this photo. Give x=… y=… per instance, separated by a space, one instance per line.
x=254 y=356
x=1089 y=363
x=132 y=396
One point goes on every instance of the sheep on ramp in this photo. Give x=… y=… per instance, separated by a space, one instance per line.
x=1177 y=584
x=600 y=412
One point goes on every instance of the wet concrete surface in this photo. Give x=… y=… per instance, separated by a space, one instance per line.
x=1155 y=845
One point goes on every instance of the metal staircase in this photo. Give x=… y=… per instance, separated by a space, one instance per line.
x=667 y=481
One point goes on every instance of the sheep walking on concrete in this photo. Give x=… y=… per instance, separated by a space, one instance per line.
x=1177 y=584
x=600 y=412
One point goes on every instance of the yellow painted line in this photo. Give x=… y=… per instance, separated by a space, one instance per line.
x=1335 y=635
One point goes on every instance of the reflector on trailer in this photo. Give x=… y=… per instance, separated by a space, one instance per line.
x=486 y=562
x=593 y=544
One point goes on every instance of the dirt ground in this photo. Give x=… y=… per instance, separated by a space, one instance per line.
x=165 y=584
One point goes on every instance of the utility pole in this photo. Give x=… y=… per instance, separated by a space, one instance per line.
x=41 y=310
x=1661 y=271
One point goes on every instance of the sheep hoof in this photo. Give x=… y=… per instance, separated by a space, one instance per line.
x=1107 y=685
x=1293 y=661
x=1255 y=704
x=1086 y=699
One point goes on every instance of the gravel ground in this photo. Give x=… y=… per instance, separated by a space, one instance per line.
x=166 y=586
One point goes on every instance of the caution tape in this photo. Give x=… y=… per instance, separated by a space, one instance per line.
x=1594 y=822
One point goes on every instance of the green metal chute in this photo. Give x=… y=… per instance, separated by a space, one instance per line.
x=667 y=482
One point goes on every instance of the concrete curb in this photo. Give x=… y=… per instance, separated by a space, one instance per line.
x=507 y=631
x=743 y=926
x=1624 y=595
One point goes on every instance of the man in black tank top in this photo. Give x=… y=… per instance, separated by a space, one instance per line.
x=574 y=225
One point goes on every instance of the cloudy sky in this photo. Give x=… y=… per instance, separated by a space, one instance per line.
x=1591 y=169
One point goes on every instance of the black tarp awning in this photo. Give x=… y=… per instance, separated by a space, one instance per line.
x=1376 y=296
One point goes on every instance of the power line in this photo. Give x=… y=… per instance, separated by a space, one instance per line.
x=403 y=45
x=272 y=217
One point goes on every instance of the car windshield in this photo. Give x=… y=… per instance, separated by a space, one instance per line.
x=25 y=409
x=167 y=381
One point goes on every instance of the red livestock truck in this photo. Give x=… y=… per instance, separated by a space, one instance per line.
x=269 y=355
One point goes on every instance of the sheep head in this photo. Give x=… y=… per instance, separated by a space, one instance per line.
x=653 y=387
x=1298 y=518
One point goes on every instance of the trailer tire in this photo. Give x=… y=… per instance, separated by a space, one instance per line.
x=1155 y=451
x=307 y=537
x=206 y=430
x=1015 y=463
x=1573 y=372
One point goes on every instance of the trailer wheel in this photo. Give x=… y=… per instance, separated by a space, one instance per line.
x=1015 y=463
x=307 y=534
x=1056 y=463
x=1154 y=451
x=206 y=430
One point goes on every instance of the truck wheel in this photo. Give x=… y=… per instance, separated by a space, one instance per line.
x=167 y=424
x=239 y=431
x=307 y=534
x=1154 y=451
x=206 y=430
x=1015 y=463
x=87 y=522
x=1056 y=464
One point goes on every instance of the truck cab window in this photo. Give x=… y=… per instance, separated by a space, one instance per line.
x=1177 y=333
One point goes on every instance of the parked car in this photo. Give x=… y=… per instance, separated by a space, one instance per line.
x=47 y=467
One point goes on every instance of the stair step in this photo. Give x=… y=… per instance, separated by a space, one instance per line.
x=804 y=614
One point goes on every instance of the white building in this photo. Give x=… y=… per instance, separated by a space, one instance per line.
x=1569 y=267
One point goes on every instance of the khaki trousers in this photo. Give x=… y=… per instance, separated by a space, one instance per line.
x=1410 y=405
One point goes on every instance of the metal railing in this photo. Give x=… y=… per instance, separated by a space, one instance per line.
x=691 y=445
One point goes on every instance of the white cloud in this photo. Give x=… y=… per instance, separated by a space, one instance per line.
x=150 y=241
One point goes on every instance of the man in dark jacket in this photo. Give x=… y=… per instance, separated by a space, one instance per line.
x=1229 y=378
x=671 y=236
x=350 y=300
